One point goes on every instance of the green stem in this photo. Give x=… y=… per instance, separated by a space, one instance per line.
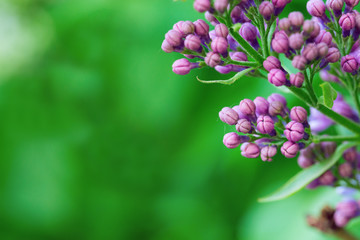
x=245 y=64
x=310 y=88
x=263 y=37
x=355 y=96
x=301 y=95
x=336 y=138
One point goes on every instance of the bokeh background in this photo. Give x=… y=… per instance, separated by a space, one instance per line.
x=100 y=140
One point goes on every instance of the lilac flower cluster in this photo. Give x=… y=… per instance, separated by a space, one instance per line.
x=345 y=211
x=268 y=125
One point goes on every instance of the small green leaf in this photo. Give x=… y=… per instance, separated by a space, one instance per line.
x=307 y=175
x=229 y=81
x=329 y=94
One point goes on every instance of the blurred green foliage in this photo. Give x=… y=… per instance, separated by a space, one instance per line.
x=100 y=140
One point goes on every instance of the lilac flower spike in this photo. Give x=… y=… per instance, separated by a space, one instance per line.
x=297 y=79
x=347 y=21
x=183 y=66
x=212 y=59
x=298 y=114
x=277 y=77
x=267 y=153
x=262 y=106
x=266 y=9
x=244 y=126
x=316 y=8
x=202 y=5
x=221 y=30
x=229 y=116
x=294 y=131
x=290 y=149
x=272 y=63
x=232 y=140
x=250 y=150
x=247 y=107
x=349 y=64
x=265 y=124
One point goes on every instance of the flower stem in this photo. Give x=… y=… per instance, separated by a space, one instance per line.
x=337 y=138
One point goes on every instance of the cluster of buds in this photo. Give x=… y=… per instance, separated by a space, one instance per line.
x=264 y=125
x=345 y=211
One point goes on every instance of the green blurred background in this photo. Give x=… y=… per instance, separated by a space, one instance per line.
x=101 y=140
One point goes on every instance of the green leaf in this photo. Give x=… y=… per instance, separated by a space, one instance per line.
x=229 y=81
x=307 y=175
x=329 y=94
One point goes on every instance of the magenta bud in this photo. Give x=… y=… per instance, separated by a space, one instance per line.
x=247 y=107
x=238 y=56
x=347 y=21
x=232 y=140
x=221 y=30
x=349 y=64
x=267 y=153
x=308 y=27
x=279 y=3
x=328 y=148
x=277 y=77
x=201 y=27
x=298 y=114
x=192 y=42
x=224 y=69
x=187 y=27
x=304 y=162
x=265 y=124
x=333 y=55
x=250 y=150
x=336 y=5
x=348 y=208
x=219 y=45
x=294 y=131
x=346 y=170
x=340 y=220
x=182 y=66
x=299 y=62
x=350 y=155
x=280 y=44
x=327 y=178
x=177 y=27
x=324 y=36
x=212 y=59
x=351 y=3
x=296 y=19
x=290 y=149
x=276 y=108
x=248 y=31
x=220 y=5
x=297 y=80
x=323 y=49
x=167 y=47
x=266 y=9
x=272 y=63
x=174 y=38
x=202 y=5
x=296 y=41
x=284 y=24
x=229 y=116
x=310 y=52
x=277 y=97
x=262 y=106
x=316 y=8
x=244 y=126
x=316 y=30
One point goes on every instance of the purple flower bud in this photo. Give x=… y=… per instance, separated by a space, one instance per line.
x=298 y=114
x=212 y=59
x=248 y=32
x=224 y=69
x=297 y=80
x=314 y=184
x=290 y=149
x=277 y=77
x=276 y=108
x=323 y=49
x=192 y=42
x=336 y=5
x=229 y=116
x=348 y=208
x=296 y=41
x=219 y=45
x=266 y=9
x=174 y=38
x=280 y=44
x=221 y=30
x=327 y=178
x=296 y=19
x=220 y=5
x=238 y=56
x=211 y=18
x=328 y=148
x=333 y=55
x=316 y=30
x=202 y=5
x=351 y=3
x=201 y=27
x=277 y=97
x=349 y=64
x=304 y=162
x=212 y=35
x=325 y=37
x=262 y=106
x=240 y=114
x=294 y=131
x=316 y=8
x=346 y=170
x=340 y=220
x=244 y=126
x=232 y=140
x=310 y=52
x=250 y=150
x=267 y=153
x=167 y=47
x=350 y=155
x=347 y=21
x=308 y=28
x=284 y=24
x=187 y=27
x=265 y=124
x=272 y=63
x=182 y=66
x=299 y=62
x=279 y=3
x=247 y=107
x=177 y=27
